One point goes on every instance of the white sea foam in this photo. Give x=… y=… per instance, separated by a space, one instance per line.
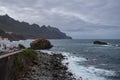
x=87 y=73
x=108 y=44
x=26 y=43
x=46 y=51
x=112 y=45
x=80 y=71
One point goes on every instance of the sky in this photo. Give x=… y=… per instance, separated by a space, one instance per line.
x=80 y=19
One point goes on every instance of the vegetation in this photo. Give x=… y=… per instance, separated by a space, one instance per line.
x=21 y=46
x=41 y=44
x=23 y=60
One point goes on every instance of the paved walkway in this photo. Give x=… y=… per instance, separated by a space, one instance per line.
x=9 y=54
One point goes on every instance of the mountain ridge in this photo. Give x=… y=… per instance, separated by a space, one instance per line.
x=30 y=31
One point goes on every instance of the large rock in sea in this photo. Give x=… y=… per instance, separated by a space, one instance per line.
x=39 y=44
x=100 y=43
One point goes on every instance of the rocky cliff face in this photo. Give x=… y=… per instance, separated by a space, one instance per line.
x=8 y=24
x=7 y=68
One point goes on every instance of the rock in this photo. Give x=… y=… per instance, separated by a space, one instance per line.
x=39 y=44
x=49 y=67
x=58 y=56
x=100 y=43
x=70 y=74
x=24 y=79
x=21 y=46
x=35 y=62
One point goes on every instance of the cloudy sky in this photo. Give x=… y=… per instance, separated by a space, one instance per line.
x=78 y=18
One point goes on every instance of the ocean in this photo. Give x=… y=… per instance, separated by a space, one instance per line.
x=89 y=61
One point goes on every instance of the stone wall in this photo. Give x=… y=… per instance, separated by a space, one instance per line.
x=7 y=68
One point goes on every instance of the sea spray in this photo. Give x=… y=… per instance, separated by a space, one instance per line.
x=80 y=71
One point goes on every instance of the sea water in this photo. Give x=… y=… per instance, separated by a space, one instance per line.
x=88 y=61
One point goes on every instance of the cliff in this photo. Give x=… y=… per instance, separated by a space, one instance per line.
x=31 y=65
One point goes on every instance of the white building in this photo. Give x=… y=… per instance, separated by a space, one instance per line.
x=4 y=44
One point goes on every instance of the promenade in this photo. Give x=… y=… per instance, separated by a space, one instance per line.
x=9 y=54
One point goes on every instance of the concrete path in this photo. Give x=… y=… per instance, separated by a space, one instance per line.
x=9 y=54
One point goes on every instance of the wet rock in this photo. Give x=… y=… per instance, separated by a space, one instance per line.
x=35 y=62
x=70 y=74
x=41 y=44
x=100 y=42
x=49 y=67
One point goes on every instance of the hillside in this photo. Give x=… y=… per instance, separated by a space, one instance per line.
x=11 y=36
x=29 y=31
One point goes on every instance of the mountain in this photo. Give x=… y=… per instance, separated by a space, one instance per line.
x=11 y=36
x=29 y=31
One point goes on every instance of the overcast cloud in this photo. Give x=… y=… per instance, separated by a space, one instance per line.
x=77 y=18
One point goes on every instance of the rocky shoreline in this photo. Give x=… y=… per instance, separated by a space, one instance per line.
x=48 y=67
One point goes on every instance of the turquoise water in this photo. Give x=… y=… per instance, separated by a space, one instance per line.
x=102 y=62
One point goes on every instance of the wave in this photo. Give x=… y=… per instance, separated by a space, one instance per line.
x=26 y=43
x=112 y=45
x=81 y=72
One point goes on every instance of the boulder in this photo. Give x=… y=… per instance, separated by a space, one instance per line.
x=39 y=44
x=100 y=42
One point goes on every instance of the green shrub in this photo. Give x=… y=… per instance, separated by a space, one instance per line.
x=21 y=46
x=27 y=53
x=23 y=61
x=30 y=53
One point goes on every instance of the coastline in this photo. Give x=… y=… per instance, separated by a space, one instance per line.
x=48 y=67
